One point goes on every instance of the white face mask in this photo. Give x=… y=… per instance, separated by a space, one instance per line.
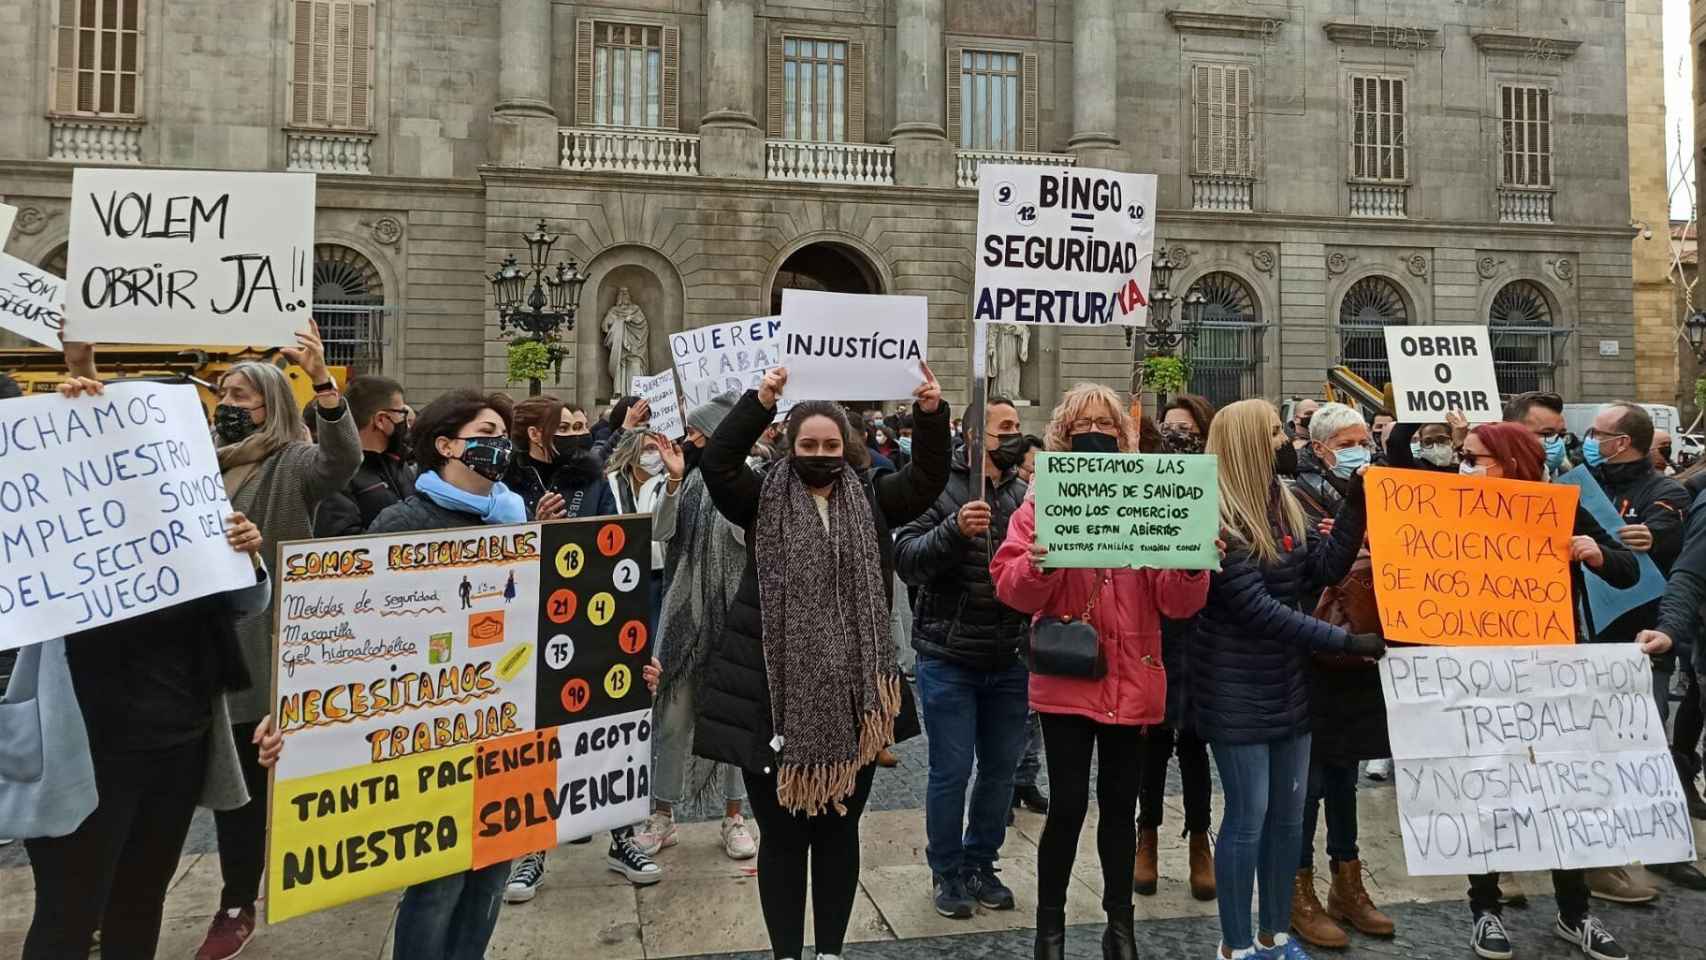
x=1440 y=455
x=652 y=462
x=1471 y=470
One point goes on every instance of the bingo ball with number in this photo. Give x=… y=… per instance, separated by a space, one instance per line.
x=577 y=693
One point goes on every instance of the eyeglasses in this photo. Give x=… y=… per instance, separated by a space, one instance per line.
x=1664 y=452
x=1100 y=423
x=1593 y=434
x=401 y=413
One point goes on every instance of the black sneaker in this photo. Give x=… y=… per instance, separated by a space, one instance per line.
x=1489 y=939
x=524 y=878
x=626 y=858
x=986 y=888
x=1031 y=798
x=1595 y=941
x=1685 y=875
x=951 y=899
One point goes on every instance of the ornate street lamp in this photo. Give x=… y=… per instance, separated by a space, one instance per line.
x=1695 y=329
x=1160 y=337
x=537 y=304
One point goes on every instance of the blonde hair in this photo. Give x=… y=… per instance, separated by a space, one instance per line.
x=1077 y=402
x=1242 y=437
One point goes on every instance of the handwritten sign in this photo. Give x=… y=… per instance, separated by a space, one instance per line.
x=726 y=356
x=1128 y=510
x=1470 y=561
x=32 y=301
x=114 y=506
x=452 y=699
x=179 y=256
x=1063 y=245
x=7 y=215
x=851 y=346
x=1529 y=758
x=1605 y=602
x=1438 y=369
x=659 y=392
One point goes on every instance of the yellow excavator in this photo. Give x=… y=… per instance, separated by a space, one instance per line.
x=1344 y=386
x=42 y=369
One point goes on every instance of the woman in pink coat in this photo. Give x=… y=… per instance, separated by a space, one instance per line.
x=1125 y=606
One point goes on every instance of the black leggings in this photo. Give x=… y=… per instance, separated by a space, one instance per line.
x=243 y=832
x=113 y=871
x=784 y=842
x=1159 y=745
x=1067 y=741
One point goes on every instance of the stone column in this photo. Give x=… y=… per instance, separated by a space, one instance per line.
x=524 y=126
x=923 y=156
x=731 y=139
x=1094 y=67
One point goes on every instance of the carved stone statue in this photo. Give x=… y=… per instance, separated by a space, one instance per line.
x=625 y=334
x=1009 y=348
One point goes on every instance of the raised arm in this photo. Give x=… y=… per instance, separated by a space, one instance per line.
x=733 y=485
x=1398 y=445
x=909 y=491
x=1019 y=583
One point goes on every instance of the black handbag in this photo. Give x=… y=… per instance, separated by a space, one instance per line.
x=1069 y=646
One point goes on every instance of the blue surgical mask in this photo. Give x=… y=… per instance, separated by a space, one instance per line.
x=1554 y=452
x=1590 y=452
x=905 y=444
x=1415 y=451
x=1349 y=461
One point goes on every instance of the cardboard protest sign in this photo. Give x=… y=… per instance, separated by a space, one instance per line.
x=852 y=346
x=1128 y=510
x=114 y=506
x=725 y=356
x=184 y=256
x=659 y=392
x=451 y=699
x=32 y=301
x=1471 y=561
x=1605 y=602
x=1438 y=369
x=1531 y=758
x=7 y=215
x=1063 y=245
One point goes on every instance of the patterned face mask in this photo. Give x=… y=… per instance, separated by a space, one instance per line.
x=487 y=456
x=233 y=423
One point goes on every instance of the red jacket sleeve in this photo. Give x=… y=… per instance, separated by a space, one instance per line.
x=1179 y=594
x=1018 y=584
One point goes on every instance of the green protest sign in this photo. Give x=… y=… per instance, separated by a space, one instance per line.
x=1128 y=510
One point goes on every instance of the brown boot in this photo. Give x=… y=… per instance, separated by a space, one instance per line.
x=1308 y=920
x=1349 y=902
x=1145 y=875
x=1202 y=867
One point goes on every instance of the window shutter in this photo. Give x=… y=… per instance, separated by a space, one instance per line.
x=583 y=72
x=65 y=60
x=773 y=87
x=1028 y=103
x=953 y=91
x=855 y=92
x=338 y=114
x=301 y=52
x=671 y=93
x=1201 y=150
x=361 y=69
x=319 y=76
x=1242 y=119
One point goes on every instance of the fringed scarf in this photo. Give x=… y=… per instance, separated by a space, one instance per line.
x=240 y=461
x=834 y=688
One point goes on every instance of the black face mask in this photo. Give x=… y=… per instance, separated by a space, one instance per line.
x=1093 y=442
x=690 y=454
x=1285 y=460
x=568 y=446
x=487 y=456
x=397 y=445
x=233 y=424
x=1009 y=452
x=818 y=471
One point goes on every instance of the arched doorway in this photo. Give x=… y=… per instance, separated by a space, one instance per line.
x=834 y=267
x=349 y=306
x=1226 y=353
x=1370 y=306
x=1521 y=324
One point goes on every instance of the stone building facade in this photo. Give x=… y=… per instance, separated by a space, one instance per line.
x=1326 y=167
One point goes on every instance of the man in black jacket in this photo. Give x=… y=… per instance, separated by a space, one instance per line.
x=973 y=690
x=383 y=478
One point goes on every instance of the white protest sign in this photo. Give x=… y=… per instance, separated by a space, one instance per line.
x=182 y=256
x=32 y=301
x=1530 y=758
x=726 y=356
x=852 y=346
x=659 y=392
x=7 y=215
x=113 y=506
x=1438 y=369
x=1063 y=245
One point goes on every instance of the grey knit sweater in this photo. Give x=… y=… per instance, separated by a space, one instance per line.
x=280 y=499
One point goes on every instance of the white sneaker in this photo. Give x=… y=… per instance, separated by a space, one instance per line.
x=1380 y=770
x=657 y=833
x=524 y=878
x=738 y=842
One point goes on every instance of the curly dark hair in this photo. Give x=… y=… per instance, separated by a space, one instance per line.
x=447 y=415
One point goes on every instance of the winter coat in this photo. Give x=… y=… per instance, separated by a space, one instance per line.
x=644 y=500
x=381 y=480
x=1645 y=496
x=581 y=483
x=1129 y=605
x=957 y=617
x=420 y=513
x=735 y=725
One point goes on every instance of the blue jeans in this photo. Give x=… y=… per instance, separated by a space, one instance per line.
x=451 y=918
x=1265 y=785
x=1334 y=785
x=970 y=714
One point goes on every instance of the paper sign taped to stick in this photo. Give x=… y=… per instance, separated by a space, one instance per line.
x=1605 y=602
x=114 y=507
x=7 y=215
x=853 y=346
x=659 y=392
x=1436 y=370
x=1063 y=245
x=451 y=699
x=183 y=256
x=1128 y=510
x=1531 y=758
x=32 y=301
x=1471 y=561
x=727 y=356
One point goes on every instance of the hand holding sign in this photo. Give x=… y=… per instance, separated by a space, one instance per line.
x=1441 y=370
x=1586 y=550
x=973 y=519
x=1636 y=536
x=770 y=388
x=309 y=354
x=242 y=534
x=77 y=386
x=929 y=393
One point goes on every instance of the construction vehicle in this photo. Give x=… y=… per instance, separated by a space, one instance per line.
x=1344 y=386
x=42 y=369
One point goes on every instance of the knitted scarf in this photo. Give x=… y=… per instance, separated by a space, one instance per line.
x=240 y=461
x=834 y=687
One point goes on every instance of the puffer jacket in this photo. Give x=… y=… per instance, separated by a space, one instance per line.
x=735 y=725
x=420 y=513
x=957 y=617
x=580 y=481
x=1127 y=617
x=1249 y=650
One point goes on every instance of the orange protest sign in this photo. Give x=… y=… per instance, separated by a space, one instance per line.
x=1468 y=561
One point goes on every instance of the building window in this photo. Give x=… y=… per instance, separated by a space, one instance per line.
x=627 y=75
x=1370 y=306
x=1379 y=146
x=1525 y=136
x=97 y=58
x=814 y=90
x=989 y=100
x=1226 y=353
x=1221 y=94
x=1522 y=330
x=349 y=306
x=331 y=64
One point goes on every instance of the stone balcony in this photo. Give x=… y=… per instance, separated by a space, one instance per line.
x=857 y=163
x=328 y=151
x=628 y=151
x=1388 y=201
x=1222 y=193
x=1525 y=205
x=968 y=162
x=94 y=140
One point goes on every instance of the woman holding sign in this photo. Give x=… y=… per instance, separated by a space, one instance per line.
x=803 y=691
x=1108 y=713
